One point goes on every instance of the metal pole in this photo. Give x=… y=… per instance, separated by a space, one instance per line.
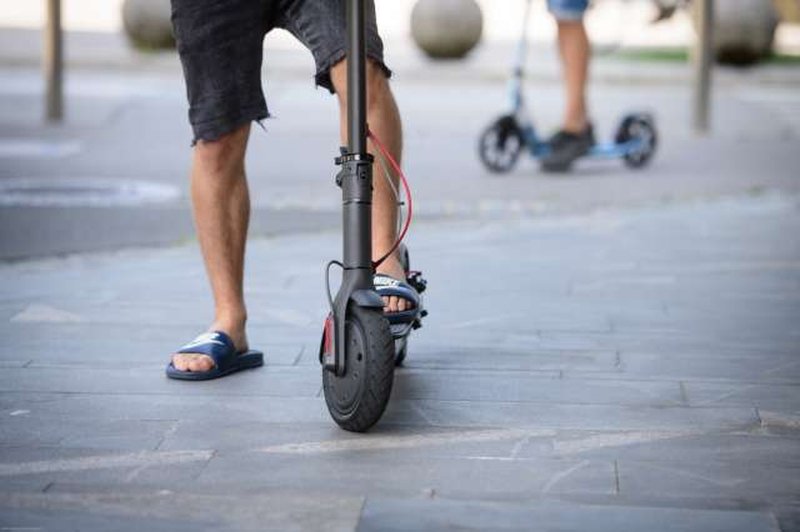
x=54 y=62
x=703 y=62
x=357 y=183
x=356 y=78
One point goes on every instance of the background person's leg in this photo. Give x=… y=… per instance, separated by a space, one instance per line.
x=383 y=118
x=575 y=50
x=576 y=136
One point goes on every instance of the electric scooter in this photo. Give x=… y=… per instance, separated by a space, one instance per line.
x=503 y=140
x=360 y=346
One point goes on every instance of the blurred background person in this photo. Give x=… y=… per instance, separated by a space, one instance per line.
x=576 y=135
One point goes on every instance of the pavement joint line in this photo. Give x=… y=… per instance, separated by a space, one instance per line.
x=688 y=474
x=478 y=321
x=781 y=368
x=375 y=443
x=87 y=463
x=131 y=476
x=769 y=419
x=415 y=406
x=518 y=447
x=725 y=395
x=602 y=441
x=299 y=355
x=684 y=393
x=167 y=433
x=561 y=475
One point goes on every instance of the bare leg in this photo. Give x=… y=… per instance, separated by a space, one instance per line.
x=573 y=44
x=221 y=203
x=384 y=120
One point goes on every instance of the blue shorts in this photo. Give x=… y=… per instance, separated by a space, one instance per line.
x=568 y=9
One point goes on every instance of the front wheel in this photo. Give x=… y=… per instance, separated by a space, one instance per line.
x=640 y=128
x=500 y=144
x=357 y=399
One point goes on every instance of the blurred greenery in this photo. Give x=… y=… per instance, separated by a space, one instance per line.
x=681 y=55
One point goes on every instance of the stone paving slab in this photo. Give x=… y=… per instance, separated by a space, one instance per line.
x=77 y=344
x=392 y=514
x=273 y=381
x=362 y=473
x=522 y=387
x=569 y=416
x=168 y=511
x=598 y=379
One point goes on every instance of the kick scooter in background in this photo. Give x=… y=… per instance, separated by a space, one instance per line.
x=503 y=140
x=360 y=346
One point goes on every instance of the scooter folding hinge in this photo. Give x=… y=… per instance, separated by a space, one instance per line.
x=345 y=158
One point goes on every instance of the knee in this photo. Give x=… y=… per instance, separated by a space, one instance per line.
x=225 y=154
x=377 y=83
x=570 y=24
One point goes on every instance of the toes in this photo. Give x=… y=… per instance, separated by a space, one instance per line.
x=201 y=363
x=194 y=363
x=396 y=304
x=179 y=361
x=390 y=304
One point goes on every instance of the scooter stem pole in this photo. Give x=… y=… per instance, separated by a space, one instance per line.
x=357 y=185
x=356 y=78
x=522 y=46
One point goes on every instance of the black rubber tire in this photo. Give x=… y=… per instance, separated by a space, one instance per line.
x=642 y=127
x=500 y=144
x=357 y=399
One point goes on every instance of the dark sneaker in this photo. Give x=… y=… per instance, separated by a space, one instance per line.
x=565 y=147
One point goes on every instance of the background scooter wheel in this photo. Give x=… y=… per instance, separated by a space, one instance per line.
x=500 y=144
x=639 y=127
x=357 y=399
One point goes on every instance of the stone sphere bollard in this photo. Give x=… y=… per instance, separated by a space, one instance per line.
x=446 y=29
x=147 y=23
x=744 y=30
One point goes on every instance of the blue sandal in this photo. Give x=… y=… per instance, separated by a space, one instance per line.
x=389 y=286
x=220 y=348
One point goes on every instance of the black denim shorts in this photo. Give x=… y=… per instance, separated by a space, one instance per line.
x=220 y=43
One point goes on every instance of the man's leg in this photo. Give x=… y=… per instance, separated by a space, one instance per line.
x=384 y=120
x=573 y=44
x=221 y=204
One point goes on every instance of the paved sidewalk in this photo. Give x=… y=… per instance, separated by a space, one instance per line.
x=625 y=370
x=115 y=118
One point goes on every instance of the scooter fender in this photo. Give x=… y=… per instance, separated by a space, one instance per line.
x=333 y=332
x=367 y=298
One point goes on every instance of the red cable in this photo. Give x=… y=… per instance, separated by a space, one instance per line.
x=407 y=190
